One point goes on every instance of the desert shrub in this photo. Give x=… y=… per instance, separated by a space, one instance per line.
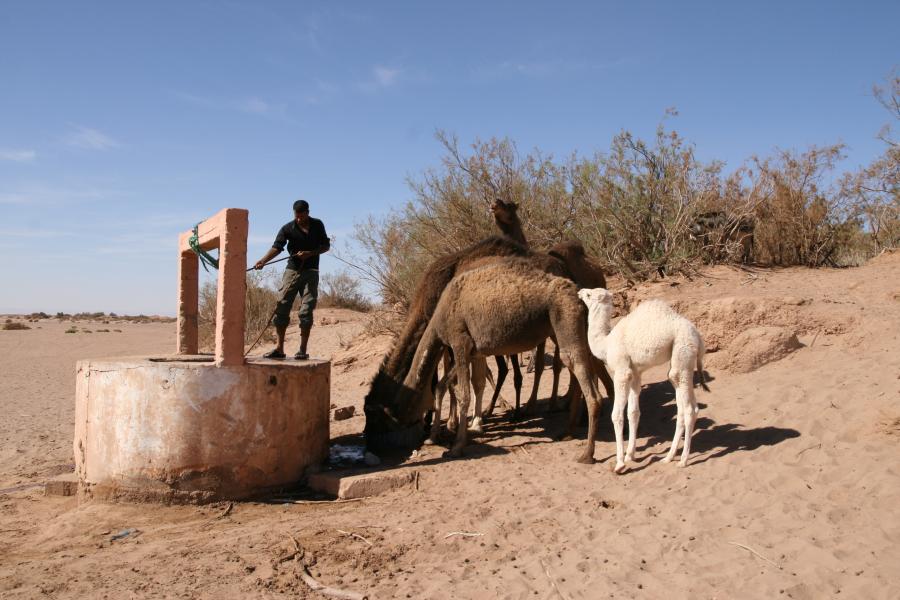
x=342 y=290
x=640 y=201
x=874 y=190
x=14 y=326
x=260 y=303
x=799 y=220
x=71 y=330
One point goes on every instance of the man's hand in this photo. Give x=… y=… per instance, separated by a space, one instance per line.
x=259 y=265
x=304 y=254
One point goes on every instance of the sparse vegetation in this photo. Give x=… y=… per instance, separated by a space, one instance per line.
x=71 y=330
x=14 y=326
x=342 y=290
x=261 y=298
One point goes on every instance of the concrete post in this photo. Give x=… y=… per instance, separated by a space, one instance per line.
x=188 y=301
x=232 y=287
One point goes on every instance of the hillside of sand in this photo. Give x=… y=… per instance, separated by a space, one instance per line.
x=791 y=490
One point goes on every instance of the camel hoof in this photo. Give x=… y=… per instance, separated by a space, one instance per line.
x=453 y=453
x=566 y=437
x=476 y=429
x=667 y=459
x=682 y=464
x=585 y=459
x=619 y=469
x=429 y=442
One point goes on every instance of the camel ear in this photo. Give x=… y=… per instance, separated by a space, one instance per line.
x=584 y=294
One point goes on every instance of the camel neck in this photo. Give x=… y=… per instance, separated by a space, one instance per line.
x=599 y=326
x=514 y=231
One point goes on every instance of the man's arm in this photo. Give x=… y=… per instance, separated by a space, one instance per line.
x=272 y=253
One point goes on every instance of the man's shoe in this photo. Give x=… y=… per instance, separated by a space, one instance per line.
x=276 y=354
x=301 y=356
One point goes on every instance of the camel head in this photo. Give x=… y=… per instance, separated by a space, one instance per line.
x=596 y=297
x=584 y=271
x=504 y=212
x=386 y=424
x=600 y=306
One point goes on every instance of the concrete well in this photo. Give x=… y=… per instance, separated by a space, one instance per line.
x=178 y=429
x=199 y=428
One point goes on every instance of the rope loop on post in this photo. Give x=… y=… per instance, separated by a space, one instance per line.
x=205 y=257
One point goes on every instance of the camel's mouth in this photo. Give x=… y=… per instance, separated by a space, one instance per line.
x=383 y=430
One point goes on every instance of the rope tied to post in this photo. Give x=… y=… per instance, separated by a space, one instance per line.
x=205 y=257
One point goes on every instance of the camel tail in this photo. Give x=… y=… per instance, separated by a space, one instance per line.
x=700 y=371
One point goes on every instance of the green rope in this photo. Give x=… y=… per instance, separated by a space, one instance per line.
x=205 y=257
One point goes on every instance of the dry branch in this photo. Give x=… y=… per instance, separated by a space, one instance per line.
x=463 y=534
x=755 y=553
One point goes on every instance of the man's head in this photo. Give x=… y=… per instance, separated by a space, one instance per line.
x=301 y=212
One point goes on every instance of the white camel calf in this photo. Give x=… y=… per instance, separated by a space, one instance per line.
x=651 y=335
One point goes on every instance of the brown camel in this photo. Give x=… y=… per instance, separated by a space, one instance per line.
x=505 y=306
x=381 y=427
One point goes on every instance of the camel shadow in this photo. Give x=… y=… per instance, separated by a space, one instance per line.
x=714 y=440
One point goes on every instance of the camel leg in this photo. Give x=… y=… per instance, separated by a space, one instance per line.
x=585 y=375
x=679 y=418
x=437 y=401
x=634 y=415
x=452 y=416
x=538 y=369
x=690 y=413
x=557 y=368
x=517 y=380
x=479 y=369
x=618 y=418
x=502 y=370
x=463 y=384
x=603 y=374
x=575 y=405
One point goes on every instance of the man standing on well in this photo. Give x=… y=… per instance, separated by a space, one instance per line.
x=306 y=240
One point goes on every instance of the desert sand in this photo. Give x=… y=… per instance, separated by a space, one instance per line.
x=792 y=490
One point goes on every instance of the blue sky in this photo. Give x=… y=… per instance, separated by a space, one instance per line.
x=124 y=123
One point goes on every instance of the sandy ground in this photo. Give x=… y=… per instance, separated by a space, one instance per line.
x=792 y=490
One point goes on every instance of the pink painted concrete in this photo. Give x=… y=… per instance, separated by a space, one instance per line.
x=227 y=231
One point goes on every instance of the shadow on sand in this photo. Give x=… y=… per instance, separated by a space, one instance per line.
x=657 y=426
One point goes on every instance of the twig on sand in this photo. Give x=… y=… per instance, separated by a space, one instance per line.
x=227 y=511
x=755 y=553
x=552 y=580
x=356 y=535
x=463 y=534
x=814 y=446
x=325 y=590
x=315 y=585
x=815 y=337
x=338 y=501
